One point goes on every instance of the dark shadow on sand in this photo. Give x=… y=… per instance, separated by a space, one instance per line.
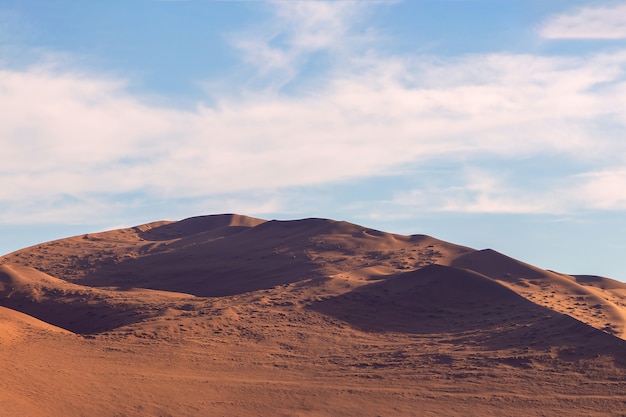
x=470 y=309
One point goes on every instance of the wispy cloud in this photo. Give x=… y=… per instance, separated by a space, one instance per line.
x=478 y=190
x=601 y=190
x=281 y=48
x=607 y=22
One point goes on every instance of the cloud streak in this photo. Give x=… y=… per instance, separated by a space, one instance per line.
x=588 y=23
x=300 y=32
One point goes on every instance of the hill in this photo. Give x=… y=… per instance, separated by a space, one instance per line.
x=226 y=314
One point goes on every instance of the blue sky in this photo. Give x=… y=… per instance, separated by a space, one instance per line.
x=487 y=123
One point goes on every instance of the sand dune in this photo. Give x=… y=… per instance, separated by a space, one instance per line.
x=597 y=302
x=74 y=307
x=439 y=299
x=233 y=315
x=15 y=326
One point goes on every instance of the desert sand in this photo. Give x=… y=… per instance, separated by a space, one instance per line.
x=228 y=315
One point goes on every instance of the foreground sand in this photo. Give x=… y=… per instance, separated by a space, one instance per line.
x=230 y=315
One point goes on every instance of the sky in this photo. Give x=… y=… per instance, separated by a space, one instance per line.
x=486 y=123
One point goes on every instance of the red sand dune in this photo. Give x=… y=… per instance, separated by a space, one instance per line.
x=232 y=315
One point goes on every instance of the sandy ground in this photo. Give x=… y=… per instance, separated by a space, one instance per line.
x=230 y=315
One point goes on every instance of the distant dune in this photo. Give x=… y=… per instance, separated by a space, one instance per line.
x=234 y=315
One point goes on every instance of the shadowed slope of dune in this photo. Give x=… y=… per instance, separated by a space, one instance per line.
x=439 y=299
x=433 y=299
x=271 y=253
x=73 y=307
x=15 y=326
x=76 y=257
x=599 y=303
x=228 y=254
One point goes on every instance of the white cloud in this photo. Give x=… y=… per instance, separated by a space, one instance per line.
x=77 y=135
x=588 y=23
x=280 y=49
x=601 y=190
x=74 y=139
x=477 y=190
